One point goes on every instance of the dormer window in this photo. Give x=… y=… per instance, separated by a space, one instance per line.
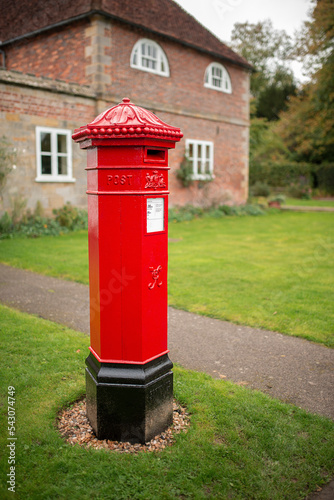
x=148 y=56
x=217 y=77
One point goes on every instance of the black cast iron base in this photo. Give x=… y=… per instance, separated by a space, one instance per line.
x=128 y=402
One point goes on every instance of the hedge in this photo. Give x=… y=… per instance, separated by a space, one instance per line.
x=286 y=174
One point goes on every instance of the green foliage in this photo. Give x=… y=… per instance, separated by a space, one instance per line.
x=259 y=189
x=241 y=444
x=184 y=213
x=6 y=224
x=18 y=207
x=264 y=47
x=275 y=97
x=281 y=174
x=300 y=190
x=189 y=212
x=300 y=179
x=32 y=225
x=185 y=173
x=7 y=158
x=272 y=163
x=324 y=177
x=308 y=126
x=267 y=49
x=71 y=217
x=280 y=198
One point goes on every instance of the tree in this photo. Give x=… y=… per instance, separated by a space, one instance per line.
x=275 y=97
x=268 y=50
x=308 y=126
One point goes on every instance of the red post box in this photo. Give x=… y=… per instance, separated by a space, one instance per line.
x=129 y=381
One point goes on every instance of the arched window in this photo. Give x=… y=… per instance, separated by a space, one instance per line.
x=149 y=56
x=217 y=77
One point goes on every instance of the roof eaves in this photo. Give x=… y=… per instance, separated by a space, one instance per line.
x=46 y=28
x=245 y=64
x=137 y=25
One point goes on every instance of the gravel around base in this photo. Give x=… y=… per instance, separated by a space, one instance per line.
x=74 y=426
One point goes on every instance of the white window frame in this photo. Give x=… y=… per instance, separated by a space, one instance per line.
x=54 y=176
x=137 y=57
x=220 y=81
x=200 y=175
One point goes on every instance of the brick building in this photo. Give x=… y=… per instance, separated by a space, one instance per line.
x=64 y=62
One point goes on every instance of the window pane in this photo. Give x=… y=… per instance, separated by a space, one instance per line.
x=207 y=149
x=62 y=165
x=134 y=58
x=45 y=141
x=199 y=150
x=190 y=151
x=46 y=165
x=62 y=146
x=207 y=167
x=216 y=82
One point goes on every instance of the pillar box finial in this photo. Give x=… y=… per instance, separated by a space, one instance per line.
x=129 y=381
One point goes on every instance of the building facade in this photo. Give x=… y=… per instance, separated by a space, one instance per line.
x=62 y=64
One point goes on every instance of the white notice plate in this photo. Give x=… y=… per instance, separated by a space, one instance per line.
x=155 y=214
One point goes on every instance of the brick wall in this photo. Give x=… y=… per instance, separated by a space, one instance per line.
x=97 y=54
x=56 y=54
x=23 y=108
x=184 y=90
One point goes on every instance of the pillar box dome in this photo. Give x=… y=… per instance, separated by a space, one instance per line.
x=126 y=121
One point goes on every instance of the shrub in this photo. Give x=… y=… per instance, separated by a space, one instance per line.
x=252 y=210
x=301 y=189
x=260 y=189
x=280 y=198
x=6 y=223
x=187 y=213
x=227 y=210
x=185 y=173
x=324 y=177
x=279 y=174
x=71 y=217
x=32 y=225
x=297 y=177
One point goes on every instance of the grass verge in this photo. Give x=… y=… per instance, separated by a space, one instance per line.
x=309 y=203
x=272 y=272
x=241 y=443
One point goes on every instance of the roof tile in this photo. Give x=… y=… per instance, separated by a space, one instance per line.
x=164 y=17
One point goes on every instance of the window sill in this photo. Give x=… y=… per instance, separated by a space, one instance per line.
x=203 y=177
x=212 y=87
x=149 y=70
x=55 y=179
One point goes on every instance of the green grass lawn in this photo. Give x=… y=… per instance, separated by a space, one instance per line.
x=241 y=444
x=273 y=272
x=309 y=203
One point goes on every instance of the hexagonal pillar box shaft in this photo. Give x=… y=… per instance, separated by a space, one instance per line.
x=129 y=381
